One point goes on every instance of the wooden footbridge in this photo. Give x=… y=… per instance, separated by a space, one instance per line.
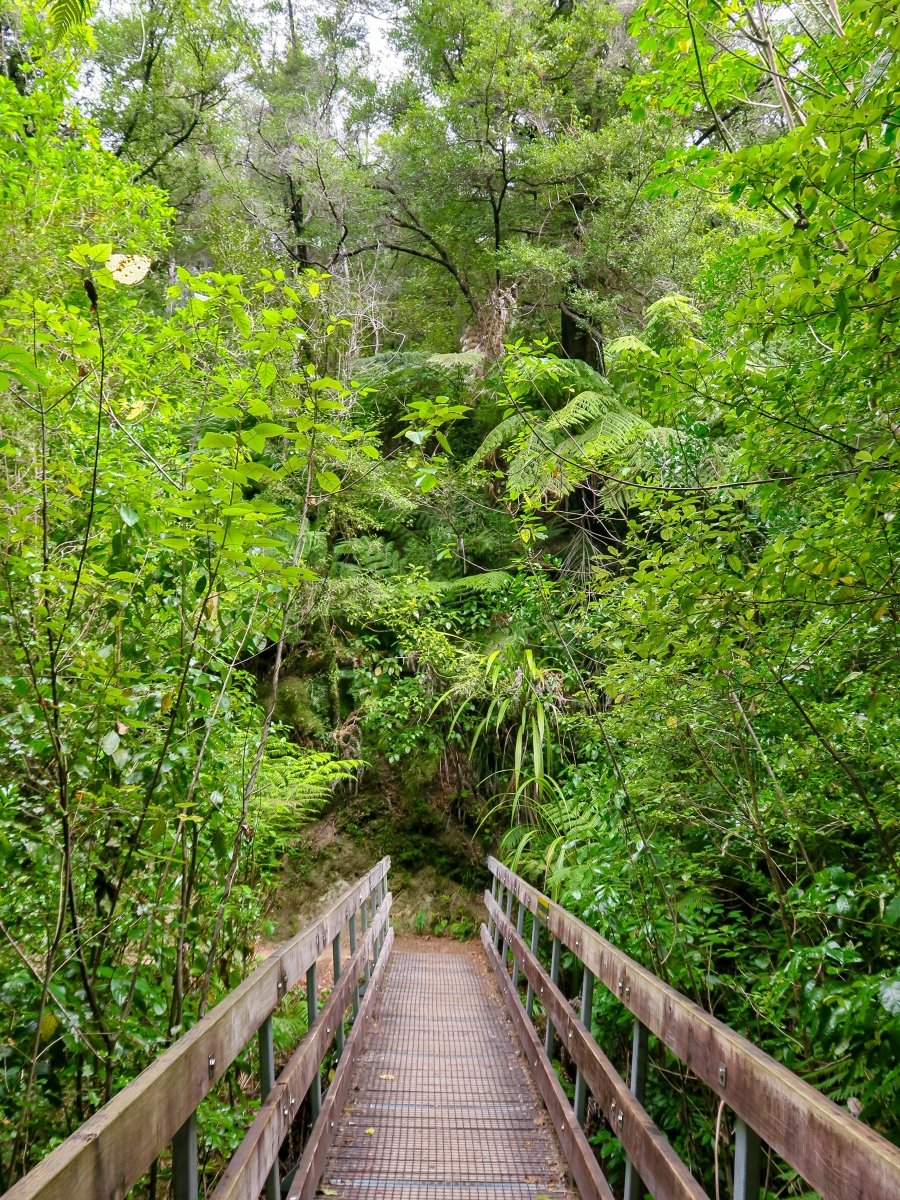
x=442 y=1088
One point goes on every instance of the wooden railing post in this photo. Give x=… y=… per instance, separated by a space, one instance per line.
x=185 y=1178
x=266 y=1083
x=312 y=1007
x=634 y=1188
x=746 y=1162
x=587 y=1004
x=535 y=943
x=497 y=927
x=554 y=977
x=520 y=925
x=336 y=959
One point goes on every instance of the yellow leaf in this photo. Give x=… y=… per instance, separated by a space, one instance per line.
x=370 y=1130
x=49 y=1023
x=385 y=1075
x=880 y=613
x=672 y=722
x=848 y=579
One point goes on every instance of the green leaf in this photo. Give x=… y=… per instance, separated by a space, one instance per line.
x=218 y=441
x=889 y=995
x=109 y=743
x=266 y=374
x=19 y=365
x=128 y=514
x=267 y=429
x=328 y=481
x=241 y=320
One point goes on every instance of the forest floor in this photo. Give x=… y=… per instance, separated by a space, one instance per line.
x=437 y=877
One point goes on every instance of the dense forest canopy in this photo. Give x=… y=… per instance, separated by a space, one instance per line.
x=512 y=417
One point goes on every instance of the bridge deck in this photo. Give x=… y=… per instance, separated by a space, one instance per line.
x=441 y=1105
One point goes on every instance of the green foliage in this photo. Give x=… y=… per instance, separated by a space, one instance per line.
x=597 y=548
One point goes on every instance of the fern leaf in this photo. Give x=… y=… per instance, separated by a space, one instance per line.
x=488 y=581
x=498 y=435
x=472 y=359
x=66 y=14
x=586 y=406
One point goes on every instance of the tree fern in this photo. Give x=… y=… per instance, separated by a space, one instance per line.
x=496 y=438
x=586 y=406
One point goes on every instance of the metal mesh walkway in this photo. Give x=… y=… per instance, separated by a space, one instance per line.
x=441 y=1105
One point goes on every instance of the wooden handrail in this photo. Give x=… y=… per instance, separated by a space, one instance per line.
x=582 y=1163
x=662 y=1171
x=106 y=1156
x=837 y=1155
x=312 y=1164
x=246 y=1173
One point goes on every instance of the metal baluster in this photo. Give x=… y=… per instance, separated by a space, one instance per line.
x=535 y=942
x=554 y=975
x=352 y=924
x=746 y=1162
x=375 y=901
x=312 y=1007
x=634 y=1188
x=587 y=1004
x=497 y=927
x=336 y=959
x=520 y=925
x=184 y=1161
x=266 y=1083
x=509 y=900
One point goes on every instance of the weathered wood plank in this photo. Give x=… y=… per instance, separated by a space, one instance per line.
x=663 y=1172
x=245 y=1175
x=577 y=1149
x=838 y=1156
x=312 y=1164
x=105 y=1157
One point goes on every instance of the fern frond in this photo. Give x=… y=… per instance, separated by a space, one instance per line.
x=299 y=779
x=615 y=428
x=488 y=581
x=495 y=439
x=586 y=406
x=66 y=14
x=465 y=358
x=367 y=553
